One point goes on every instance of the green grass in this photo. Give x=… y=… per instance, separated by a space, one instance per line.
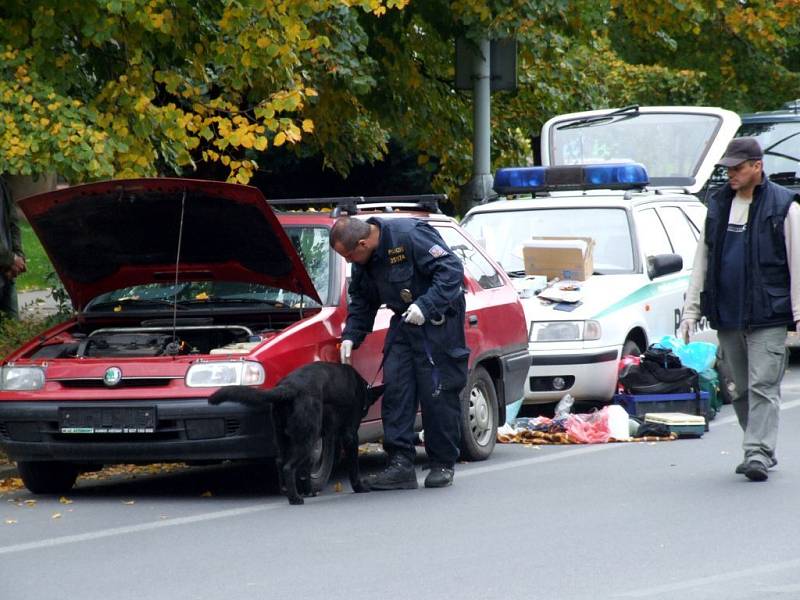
x=35 y=278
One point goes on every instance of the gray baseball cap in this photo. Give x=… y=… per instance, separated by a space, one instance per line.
x=740 y=150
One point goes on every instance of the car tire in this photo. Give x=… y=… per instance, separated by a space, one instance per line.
x=48 y=477
x=631 y=348
x=323 y=459
x=479 y=416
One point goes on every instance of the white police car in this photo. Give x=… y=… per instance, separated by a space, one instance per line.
x=625 y=178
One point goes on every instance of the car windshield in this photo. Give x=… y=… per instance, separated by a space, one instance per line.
x=670 y=146
x=503 y=234
x=781 y=144
x=311 y=244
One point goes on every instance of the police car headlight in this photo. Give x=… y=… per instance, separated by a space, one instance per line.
x=21 y=379
x=221 y=373
x=564 y=331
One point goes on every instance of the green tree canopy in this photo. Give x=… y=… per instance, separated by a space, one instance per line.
x=119 y=88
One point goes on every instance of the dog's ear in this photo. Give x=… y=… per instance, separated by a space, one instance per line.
x=373 y=393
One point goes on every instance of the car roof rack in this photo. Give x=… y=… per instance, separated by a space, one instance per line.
x=351 y=205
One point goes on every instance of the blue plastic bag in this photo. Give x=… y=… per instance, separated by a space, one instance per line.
x=695 y=355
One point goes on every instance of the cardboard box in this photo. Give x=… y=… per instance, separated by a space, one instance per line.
x=561 y=257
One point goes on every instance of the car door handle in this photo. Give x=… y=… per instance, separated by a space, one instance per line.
x=473 y=320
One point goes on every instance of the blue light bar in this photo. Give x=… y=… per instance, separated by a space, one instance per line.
x=608 y=176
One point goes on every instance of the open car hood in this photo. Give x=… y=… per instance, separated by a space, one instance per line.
x=678 y=145
x=114 y=234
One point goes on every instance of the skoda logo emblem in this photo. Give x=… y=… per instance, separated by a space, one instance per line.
x=113 y=376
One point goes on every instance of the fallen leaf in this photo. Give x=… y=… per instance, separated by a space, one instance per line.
x=129 y=502
x=11 y=521
x=30 y=503
x=56 y=516
x=206 y=495
x=65 y=500
x=338 y=487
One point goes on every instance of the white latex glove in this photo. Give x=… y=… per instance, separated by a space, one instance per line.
x=688 y=327
x=346 y=351
x=414 y=315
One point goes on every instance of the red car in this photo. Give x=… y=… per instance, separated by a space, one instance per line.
x=183 y=286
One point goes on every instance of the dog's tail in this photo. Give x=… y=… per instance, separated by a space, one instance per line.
x=249 y=396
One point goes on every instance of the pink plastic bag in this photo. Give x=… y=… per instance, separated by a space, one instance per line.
x=589 y=428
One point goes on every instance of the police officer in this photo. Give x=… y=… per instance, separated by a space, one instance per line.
x=12 y=259
x=405 y=264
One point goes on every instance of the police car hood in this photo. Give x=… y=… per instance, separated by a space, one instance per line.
x=597 y=297
x=678 y=145
x=114 y=234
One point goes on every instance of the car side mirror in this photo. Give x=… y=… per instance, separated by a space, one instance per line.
x=663 y=264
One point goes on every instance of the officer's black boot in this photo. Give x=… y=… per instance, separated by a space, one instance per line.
x=440 y=476
x=398 y=475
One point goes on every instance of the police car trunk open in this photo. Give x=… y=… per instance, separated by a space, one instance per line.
x=624 y=178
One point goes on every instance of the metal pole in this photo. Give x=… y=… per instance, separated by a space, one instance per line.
x=480 y=187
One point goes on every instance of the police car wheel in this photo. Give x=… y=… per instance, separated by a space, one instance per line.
x=48 y=477
x=479 y=416
x=631 y=348
x=323 y=459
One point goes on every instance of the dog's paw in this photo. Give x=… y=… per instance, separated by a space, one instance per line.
x=362 y=487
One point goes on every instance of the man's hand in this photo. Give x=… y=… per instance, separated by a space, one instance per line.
x=346 y=351
x=414 y=315
x=19 y=264
x=688 y=327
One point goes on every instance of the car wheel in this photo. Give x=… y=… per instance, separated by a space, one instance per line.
x=631 y=348
x=323 y=459
x=479 y=416
x=48 y=477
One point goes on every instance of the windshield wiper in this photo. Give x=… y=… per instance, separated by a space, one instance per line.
x=138 y=301
x=628 y=112
x=516 y=273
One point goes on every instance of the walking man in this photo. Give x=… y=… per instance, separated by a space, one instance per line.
x=12 y=259
x=746 y=281
x=405 y=264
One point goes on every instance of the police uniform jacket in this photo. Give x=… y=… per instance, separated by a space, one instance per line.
x=411 y=264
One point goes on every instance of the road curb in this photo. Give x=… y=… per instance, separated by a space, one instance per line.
x=7 y=471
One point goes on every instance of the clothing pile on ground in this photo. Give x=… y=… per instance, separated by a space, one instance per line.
x=582 y=428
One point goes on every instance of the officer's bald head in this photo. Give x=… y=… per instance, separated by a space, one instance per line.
x=348 y=232
x=354 y=239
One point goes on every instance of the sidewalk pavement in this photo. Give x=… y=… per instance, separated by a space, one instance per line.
x=35 y=302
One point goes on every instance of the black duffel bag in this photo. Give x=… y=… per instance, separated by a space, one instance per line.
x=660 y=372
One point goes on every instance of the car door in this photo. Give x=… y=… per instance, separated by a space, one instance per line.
x=683 y=236
x=664 y=294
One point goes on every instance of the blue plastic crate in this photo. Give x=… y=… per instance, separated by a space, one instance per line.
x=640 y=404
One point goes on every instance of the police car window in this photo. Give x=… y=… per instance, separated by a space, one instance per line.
x=480 y=269
x=697 y=215
x=651 y=233
x=504 y=234
x=680 y=232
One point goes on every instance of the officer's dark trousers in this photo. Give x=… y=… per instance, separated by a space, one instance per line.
x=409 y=380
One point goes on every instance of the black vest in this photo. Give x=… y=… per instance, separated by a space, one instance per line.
x=767 y=298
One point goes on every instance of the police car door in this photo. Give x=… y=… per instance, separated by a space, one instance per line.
x=661 y=294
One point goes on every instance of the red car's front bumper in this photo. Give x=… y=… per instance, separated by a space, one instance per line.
x=184 y=430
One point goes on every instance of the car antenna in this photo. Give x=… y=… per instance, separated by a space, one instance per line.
x=174 y=347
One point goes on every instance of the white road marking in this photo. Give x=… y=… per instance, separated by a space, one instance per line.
x=711 y=579
x=281 y=502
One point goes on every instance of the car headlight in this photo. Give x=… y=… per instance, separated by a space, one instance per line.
x=217 y=374
x=21 y=379
x=564 y=331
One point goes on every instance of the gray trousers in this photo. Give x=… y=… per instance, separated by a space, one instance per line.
x=757 y=359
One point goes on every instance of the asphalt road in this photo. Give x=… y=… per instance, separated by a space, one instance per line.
x=634 y=520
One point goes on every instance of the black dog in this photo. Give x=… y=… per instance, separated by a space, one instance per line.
x=317 y=399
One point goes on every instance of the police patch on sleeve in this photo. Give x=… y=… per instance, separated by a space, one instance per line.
x=437 y=251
